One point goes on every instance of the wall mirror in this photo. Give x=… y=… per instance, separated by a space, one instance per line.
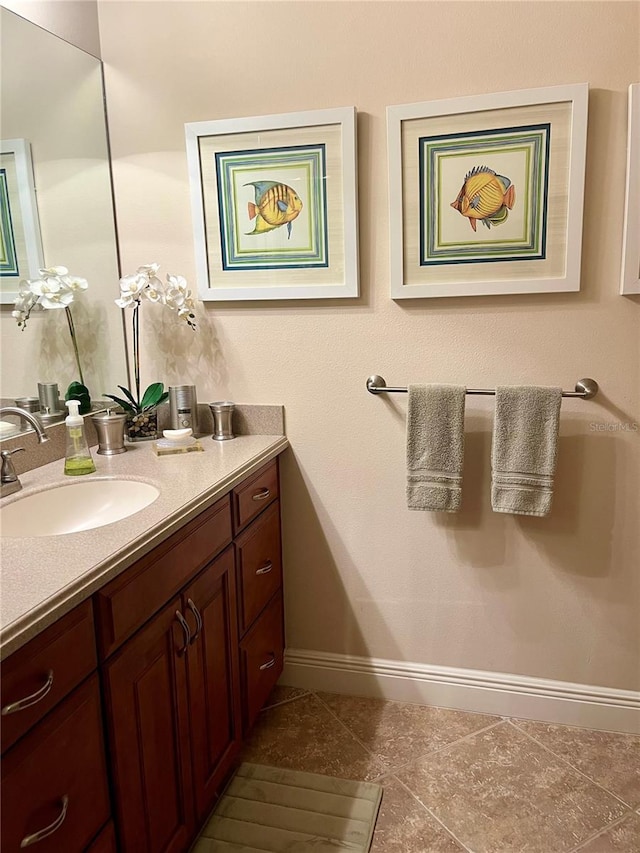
x=52 y=96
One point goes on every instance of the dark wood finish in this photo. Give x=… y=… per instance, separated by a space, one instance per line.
x=123 y=605
x=62 y=756
x=264 y=643
x=212 y=661
x=105 y=842
x=259 y=565
x=67 y=649
x=148 y=724
x=254 y=494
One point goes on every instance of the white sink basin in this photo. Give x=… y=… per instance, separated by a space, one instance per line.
x=72 y=507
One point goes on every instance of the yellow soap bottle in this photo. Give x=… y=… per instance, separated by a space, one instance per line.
x=78 y=459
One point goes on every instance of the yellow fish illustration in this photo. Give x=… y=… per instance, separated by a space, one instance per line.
x=485 y=196
x=276 y=204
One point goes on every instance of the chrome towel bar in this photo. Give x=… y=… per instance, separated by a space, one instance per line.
x=585 y=388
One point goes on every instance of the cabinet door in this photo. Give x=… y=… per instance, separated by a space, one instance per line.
x=214 y=702
x=146 y=697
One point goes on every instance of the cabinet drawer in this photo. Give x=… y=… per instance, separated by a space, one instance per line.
x=262 y=652
x=259 y=564
x=54 y=782
x=126 y=603
x=45 y=670
x=255 y=494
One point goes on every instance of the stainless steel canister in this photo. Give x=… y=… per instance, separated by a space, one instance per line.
x=49 y=397
x=29 y=404
x=110 y=428
x=183 y=407
x=222 y=420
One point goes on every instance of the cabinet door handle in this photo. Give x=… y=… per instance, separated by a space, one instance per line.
x=269 y=663
x=196 y=613
x=262 y=495
x=186 y=629
x=28 y=840
x=265 y=569
x=28 y=701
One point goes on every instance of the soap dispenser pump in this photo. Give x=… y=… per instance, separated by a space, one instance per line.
x=78 y=458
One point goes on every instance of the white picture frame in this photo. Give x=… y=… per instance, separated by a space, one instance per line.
x=292 y=178
x=630 y=272
x=539 y=135
x=21 y=255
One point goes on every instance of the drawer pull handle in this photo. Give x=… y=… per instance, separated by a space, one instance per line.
x=186 y=629
x=196 y=613
x=28 y=840
x=265 y=569
x=28 y=701
x=269 y=663
x=262 y=495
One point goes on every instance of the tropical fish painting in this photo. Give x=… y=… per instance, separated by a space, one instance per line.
x=275 y=205
x=485 y=196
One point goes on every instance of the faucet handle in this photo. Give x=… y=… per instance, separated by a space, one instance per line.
x=7 y=472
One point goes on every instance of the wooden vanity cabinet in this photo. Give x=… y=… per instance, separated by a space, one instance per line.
x=179 y=653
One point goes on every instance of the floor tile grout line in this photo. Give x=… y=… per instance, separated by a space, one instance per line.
x=285 y=701
x=569 y=764
x=348 y=730
x=600 y=832
x=432 y=814
x=401 y=767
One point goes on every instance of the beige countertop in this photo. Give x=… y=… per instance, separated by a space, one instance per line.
x=45 y=577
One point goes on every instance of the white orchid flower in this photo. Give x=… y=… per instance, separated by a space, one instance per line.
x=154 y=290
x=131 y=286
x=51 y=293
x=148 y=269
x=24 y=303
x=74 y=283
x=53 y=272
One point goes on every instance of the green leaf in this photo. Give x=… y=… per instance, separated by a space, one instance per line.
x=80 y=392
x=153 y=396
x=135 y=403
x=125 y=405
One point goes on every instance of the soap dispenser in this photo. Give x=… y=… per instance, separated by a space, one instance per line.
x=78 y=458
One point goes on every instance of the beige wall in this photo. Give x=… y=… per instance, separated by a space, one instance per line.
x=75 y=21
x=554 y=597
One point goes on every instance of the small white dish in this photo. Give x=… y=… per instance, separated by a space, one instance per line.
x=177 y=435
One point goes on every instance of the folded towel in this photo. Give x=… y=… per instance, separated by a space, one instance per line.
x=435 y=447
x=525 y=442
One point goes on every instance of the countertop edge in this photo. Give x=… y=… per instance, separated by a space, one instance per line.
x=20 y=631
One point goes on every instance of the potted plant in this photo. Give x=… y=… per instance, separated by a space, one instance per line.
x=55 y=289
x=142 y=420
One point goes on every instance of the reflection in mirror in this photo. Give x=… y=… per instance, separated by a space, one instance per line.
x=52 y=97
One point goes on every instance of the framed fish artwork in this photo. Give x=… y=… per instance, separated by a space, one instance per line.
x=274 y=205
x=630 y=276
x=20 y=242
x=486 y=193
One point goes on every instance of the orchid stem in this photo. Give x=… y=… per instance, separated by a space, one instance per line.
x=72 y=331
x=136 y=349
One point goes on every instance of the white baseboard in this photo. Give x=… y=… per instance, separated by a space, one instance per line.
x=466 y=689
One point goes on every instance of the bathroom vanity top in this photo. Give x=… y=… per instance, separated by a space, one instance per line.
x=45 y=576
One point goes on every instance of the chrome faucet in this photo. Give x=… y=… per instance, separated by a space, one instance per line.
x=9 y=481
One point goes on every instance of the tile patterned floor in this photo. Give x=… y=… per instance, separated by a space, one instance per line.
x=457 y=782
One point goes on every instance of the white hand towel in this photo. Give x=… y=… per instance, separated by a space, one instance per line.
x=435 y=447
x=525 y=445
